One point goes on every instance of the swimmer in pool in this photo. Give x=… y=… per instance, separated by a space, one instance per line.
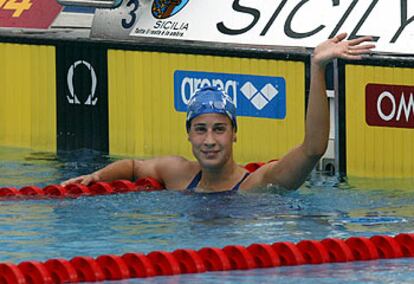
x=212 y=130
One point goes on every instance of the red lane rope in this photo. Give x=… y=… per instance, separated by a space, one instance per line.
x=99 y=188
x=76 y=190
x=181 y=261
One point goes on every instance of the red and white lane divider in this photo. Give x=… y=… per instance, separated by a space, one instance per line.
x=180 y=261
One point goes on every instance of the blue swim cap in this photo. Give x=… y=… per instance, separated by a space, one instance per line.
x=210 y=100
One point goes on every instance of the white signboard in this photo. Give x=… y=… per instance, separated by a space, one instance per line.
x=279 y=22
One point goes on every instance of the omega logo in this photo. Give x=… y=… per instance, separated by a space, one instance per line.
x=403 y=107
x=92 y=99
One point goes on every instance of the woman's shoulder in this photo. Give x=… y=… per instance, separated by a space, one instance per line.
x=177 y=171
x=177 y=165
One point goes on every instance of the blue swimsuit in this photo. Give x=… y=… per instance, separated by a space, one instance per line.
x=194 y=183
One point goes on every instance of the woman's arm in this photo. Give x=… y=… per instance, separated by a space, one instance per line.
x=292 y=169
x=122 y=169
x=162 y=169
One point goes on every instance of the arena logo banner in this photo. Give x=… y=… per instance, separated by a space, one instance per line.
x=389 y=105
x=254 y=96
x=38 y=14
x=282 y=22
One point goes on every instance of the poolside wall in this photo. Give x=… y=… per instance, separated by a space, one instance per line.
x=119 y=98
x=375 y=106
x=28 y=96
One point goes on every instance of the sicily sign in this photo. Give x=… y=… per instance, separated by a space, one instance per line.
x=280 y=22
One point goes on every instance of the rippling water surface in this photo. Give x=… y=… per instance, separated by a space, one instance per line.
x=148 y=221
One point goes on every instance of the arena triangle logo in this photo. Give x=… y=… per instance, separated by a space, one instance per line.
x=163 y=9
x=259 y=98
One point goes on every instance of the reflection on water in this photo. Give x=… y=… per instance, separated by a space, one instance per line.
x=392 y=185
x=323 y=207
x=20 y=167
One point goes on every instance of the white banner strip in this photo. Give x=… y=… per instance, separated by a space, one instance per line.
x=282 y=22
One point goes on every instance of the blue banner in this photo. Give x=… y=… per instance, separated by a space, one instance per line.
x=254 y=96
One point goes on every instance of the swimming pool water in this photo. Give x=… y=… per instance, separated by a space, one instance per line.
x=148 y=221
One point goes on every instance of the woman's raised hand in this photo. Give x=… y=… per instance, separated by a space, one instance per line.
x=338 y=47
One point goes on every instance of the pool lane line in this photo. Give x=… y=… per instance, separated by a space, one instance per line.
x=76 y=190
x=182 y=261
x=99 y=188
